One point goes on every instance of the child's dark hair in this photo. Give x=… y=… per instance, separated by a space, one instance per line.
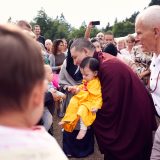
x=111 y=49
x=92 y=63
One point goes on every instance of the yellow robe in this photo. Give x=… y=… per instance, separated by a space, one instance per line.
x=80 y=105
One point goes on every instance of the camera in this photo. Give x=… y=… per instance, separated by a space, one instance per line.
x=95 y=23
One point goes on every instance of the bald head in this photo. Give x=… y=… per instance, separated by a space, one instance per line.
x=80 y=49
x=150 y=17
x=81 y=43
x=147 y=27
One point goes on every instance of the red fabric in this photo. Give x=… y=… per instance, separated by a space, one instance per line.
x=124 y=124
x=85 y=86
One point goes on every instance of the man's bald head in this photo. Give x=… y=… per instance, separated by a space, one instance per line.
x=150 y=17
x=147 y=27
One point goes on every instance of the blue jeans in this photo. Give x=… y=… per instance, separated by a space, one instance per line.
x=47 y=119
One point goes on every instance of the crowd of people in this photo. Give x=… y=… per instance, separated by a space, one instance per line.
x=99 y=86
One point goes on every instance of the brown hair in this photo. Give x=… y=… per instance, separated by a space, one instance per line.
x=21 y=67
x=36 y=25
x=130 y=38
x=56 y=44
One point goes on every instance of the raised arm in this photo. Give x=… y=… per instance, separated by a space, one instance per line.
x=88 y=31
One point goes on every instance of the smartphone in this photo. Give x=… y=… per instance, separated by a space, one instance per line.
x=95 y=23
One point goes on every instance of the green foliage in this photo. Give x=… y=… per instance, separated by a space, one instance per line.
x=43 y=20
x=94 y=32
x=60 y=28
x=121 y=29
x=133 y=17
x=52 y=29
x=77 y=33
x=107 y=28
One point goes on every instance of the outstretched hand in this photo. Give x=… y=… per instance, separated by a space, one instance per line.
x=73 y=89
x=56 y=97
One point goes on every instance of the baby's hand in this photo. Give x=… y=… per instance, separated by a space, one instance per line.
x=77 y=90
x=72 y=89
x=94 y=110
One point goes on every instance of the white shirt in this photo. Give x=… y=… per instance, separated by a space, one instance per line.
x=155 y=69
x=124 y=52
x=28 y=144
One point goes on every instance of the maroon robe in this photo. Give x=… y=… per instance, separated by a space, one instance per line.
x=125 y=122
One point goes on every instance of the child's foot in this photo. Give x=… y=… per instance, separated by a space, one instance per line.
x=81 y=134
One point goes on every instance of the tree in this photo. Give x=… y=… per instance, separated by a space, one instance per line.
x=61 y=29
x=116 y=21
x=43 y=20
x=133 y=17
x=52 y=29
x=122 y=29
x=9 y=20
x=77 y=33
x=107 y=28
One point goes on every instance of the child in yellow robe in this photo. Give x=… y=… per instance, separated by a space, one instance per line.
x=86 y=101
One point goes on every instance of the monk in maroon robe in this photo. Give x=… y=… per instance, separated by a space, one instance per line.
x=125 y=122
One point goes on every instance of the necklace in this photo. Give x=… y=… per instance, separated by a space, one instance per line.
x=150 y=90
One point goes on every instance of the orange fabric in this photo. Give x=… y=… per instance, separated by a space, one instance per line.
x=69 y=127
x=82 y=103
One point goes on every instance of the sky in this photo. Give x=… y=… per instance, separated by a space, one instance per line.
x=75 y=11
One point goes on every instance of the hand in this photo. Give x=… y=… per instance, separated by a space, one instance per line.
x=73 y=89
x=90 y=25
x=60 y=66
x=94 y=110
x=56 y=97
x=144 y=73
x=62 y=95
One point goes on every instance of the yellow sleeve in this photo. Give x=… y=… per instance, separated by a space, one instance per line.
x=94 y=87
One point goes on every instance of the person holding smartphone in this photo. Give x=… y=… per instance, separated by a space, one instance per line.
x=99 y=37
